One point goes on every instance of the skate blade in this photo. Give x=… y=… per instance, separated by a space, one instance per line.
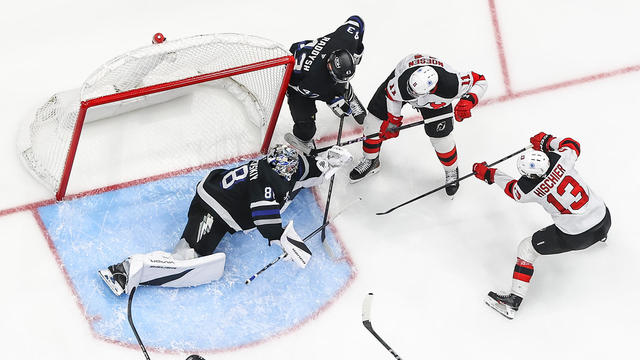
x=372 y=172
x=501 y=308
x=110 y=281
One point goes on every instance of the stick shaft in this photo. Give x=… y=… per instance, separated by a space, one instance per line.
x=453 y=182
x=365 y=137
x=326 y=207
x=135 y=332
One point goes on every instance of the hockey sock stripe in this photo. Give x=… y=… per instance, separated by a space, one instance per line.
x=449 y=158
x=371 y=146
x=523 y=270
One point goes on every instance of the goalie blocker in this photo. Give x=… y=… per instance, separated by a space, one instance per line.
x=250 y=196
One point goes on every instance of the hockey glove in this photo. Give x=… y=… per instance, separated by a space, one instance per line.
x=294 y=247
x=329 y=162
x=482 y=172
x=389 y=127
x=542 y=141
x=340 y=107
x=464 y=106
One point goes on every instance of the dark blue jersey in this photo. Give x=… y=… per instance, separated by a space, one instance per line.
x=252 y=195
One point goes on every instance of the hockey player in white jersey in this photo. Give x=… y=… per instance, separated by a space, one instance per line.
x=430 y=86
x=249 y=196
x=580 y=217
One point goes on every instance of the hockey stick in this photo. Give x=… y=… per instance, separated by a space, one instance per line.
x=453 y=182
x=135 y=332
x=366 y=321
x=365 y=137
x=323 y=235
x=314 y=232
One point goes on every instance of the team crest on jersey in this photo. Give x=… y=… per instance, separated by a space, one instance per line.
x=433 y=105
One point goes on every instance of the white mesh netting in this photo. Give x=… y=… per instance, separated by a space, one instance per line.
x=190 y=125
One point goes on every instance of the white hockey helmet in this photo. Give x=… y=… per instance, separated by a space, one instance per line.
x=533 y=164
x=422 y=81
x=284 y=160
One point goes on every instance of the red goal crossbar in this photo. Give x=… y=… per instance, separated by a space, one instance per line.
x=85 y=105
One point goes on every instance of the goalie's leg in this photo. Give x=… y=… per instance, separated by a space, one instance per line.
x=191 y=263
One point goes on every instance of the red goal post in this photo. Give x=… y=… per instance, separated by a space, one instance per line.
x=253 y=69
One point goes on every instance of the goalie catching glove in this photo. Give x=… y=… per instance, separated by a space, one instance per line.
x=293 y=246
x=330 y=161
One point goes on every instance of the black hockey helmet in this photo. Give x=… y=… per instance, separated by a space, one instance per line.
x=341 y=65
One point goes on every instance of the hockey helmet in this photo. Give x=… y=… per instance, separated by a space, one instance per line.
x=422 y=81
x=284 y=160
x=341 y=66
x=533 y=164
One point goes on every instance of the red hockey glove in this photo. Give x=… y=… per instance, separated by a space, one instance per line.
x=542 y=141
x=482 y=172
x=464 y=106
x=389 y=127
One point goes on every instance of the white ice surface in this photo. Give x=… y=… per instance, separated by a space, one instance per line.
x=430 y=263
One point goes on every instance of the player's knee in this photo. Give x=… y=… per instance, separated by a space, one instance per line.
x=526 y=251
x=305 y=129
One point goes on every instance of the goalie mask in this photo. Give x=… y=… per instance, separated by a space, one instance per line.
x=341 y=66
x=422 y=81
x=533 y=164
x=284 y=160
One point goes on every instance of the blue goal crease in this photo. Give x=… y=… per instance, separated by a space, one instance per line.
x=93 y=232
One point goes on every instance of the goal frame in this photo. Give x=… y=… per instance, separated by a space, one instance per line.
x=287 y=61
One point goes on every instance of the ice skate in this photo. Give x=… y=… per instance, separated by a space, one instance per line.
x=506 y=305
x=366 y=167
x=115 y=276
x=451 y=175
x=304 y=147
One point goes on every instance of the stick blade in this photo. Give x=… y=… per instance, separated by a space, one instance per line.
x=366 y=309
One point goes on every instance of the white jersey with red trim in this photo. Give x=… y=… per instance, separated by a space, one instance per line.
x=573 y=206
x=451 y=84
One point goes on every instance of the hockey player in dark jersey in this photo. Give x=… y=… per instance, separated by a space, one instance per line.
x=430 y=86
x=580 y=217
x=249 y=196
x=322 y=72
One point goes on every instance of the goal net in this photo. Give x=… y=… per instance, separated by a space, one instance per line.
x=160 y=108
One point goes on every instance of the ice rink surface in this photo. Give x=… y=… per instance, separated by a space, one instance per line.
x=568 y=68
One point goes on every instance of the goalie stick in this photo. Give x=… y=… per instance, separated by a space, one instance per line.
x=366 y=321
x=314 y=232
x=453 y=182
x=323 y=235
x=135 y=332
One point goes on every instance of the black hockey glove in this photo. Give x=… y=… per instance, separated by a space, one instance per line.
x=340 y=106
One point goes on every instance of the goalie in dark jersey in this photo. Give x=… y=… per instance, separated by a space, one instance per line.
x=244 y=198
x=322 y=72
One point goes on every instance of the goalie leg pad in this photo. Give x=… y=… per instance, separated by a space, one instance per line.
x=161 y=269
